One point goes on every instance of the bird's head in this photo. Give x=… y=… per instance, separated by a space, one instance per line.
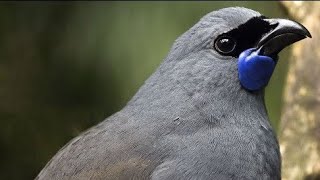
x=236 y=46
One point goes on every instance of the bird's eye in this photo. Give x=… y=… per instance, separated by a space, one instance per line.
x=225 y=44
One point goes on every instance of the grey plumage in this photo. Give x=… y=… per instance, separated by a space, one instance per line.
x=190 y=120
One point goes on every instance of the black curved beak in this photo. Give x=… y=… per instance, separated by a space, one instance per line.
x=284 y=33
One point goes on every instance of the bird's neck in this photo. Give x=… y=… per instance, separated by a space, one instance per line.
x=181 y=95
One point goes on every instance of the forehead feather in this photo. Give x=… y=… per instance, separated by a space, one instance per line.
x=231 y=17
x=216 y=22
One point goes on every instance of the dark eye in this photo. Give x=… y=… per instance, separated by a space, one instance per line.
x=225 y=44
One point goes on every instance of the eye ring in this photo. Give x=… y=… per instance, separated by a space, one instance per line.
x=225 y=44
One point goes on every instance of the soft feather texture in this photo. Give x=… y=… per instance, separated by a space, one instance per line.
x=190 y=120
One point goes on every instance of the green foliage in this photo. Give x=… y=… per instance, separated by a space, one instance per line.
x=65 y=66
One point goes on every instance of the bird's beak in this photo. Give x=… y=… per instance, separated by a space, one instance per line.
x=284 y=32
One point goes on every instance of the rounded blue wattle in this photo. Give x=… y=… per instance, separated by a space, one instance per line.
x=254 y=70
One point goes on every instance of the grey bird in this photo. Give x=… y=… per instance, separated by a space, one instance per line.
x=201 y=114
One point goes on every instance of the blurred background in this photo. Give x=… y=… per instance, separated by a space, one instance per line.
x=65 y=66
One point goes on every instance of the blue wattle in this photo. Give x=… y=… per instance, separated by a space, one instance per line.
x=254 y=70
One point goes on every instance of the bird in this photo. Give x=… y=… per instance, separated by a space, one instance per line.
x=200 y=115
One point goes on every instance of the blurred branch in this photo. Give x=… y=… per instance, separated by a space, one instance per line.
x=300 y=126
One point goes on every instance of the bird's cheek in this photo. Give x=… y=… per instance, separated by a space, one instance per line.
x=254 y=70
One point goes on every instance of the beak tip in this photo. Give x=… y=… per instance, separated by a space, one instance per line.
x=309 y=35
x=306 y=32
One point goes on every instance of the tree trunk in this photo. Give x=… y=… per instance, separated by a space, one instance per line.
x=300 y=122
